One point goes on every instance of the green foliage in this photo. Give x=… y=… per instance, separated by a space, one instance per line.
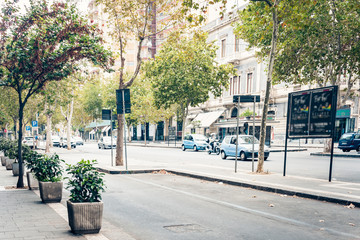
x=247 y=113
x=31 y=158
x=85 y=182
x=185 y=72
x=48 y=168
x=10 y=148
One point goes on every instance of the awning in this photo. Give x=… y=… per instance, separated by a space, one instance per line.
x=208 y=118
x=105 y=129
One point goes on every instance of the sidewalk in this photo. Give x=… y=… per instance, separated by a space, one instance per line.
x=24 y=216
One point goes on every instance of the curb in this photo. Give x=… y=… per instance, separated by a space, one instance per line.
x=240 y=184
x=335 y=155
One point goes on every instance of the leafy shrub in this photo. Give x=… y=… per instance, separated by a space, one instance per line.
x=247 y=113
x=48 y=168
x=31 y=158
x=85 y=182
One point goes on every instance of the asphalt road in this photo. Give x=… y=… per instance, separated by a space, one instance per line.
x=163 y=206
x=298 y=163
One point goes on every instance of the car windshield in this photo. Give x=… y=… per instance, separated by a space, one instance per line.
x=199 y=137
x=107 y=139
x=247 y=140
x=28 y=138
x=346 y=136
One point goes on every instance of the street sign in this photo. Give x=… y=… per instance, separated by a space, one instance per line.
x=311 y=113
x=34 y=123
x=123 y=99
x=246 y=98
x=106 y=114
x=27 y=128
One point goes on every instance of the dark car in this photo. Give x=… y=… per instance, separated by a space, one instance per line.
x=349 y=141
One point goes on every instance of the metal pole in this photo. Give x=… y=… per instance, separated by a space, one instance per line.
x=285 y=153
x=331 y=156
x=253 y=154
x=123 y=98
x=111 y=134
x=168 y=135
x=237 y=134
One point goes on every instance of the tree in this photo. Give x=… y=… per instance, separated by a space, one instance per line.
x=92 y=99
x=143 y=104
x=263 y=24
x=185 y=73
x=131 y=21
x=43 y=44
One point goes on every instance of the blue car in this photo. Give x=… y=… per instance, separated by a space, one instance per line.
x=349 y=141
x=195 y=142
x=228 y=147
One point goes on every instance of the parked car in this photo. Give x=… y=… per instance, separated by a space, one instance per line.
x=63 y=142
x=79 y=141
x=194 y=141
x=55 y=141
x=29 y=141
x=349 y=141
x=228 y=147
x=105 y=142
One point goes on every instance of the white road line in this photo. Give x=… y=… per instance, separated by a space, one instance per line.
x=248 y=210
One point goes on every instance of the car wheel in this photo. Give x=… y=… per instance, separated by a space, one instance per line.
x=357 y=149
x=243 y=156
x=183 y=147
x=265 y=158
x=99 y=147
x=195 y=148
x=223 y=155
x=209 y=151
x=217 y=151
x=344 y=150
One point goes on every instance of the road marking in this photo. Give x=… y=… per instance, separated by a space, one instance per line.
x=267 y=184
x=246 y=209
x=62 y=211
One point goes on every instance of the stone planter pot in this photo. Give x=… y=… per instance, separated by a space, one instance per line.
x=3 y=160
x=16 y=169
x=9 y=163
x=33 y=183
x=50 y=191
x=85 y=217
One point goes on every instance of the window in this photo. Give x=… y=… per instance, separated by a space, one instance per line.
x=237 y=44
x=249 y=83
x=234 y=113
x=223 y=48
x=234 y=85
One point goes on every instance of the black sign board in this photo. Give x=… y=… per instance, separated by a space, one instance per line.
x=246 y=98
x=106 y=114
x=172 y=133
x=119 y=101
x=312 y=113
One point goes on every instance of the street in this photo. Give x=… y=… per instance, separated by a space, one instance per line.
x=298 y=163
x=160 y=205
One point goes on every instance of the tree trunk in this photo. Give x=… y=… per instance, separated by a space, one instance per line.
x=129 y=135
x=7 y=131
x=145 y=135
x=260 y=166
x=155 y=132
x=119 y=159
x=20 y=183
x=48 y=133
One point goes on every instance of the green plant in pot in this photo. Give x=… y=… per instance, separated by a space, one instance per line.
x=30 y=159
x=12 y=154
x=85 y=207
x=48 y=171
x=5 y=145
